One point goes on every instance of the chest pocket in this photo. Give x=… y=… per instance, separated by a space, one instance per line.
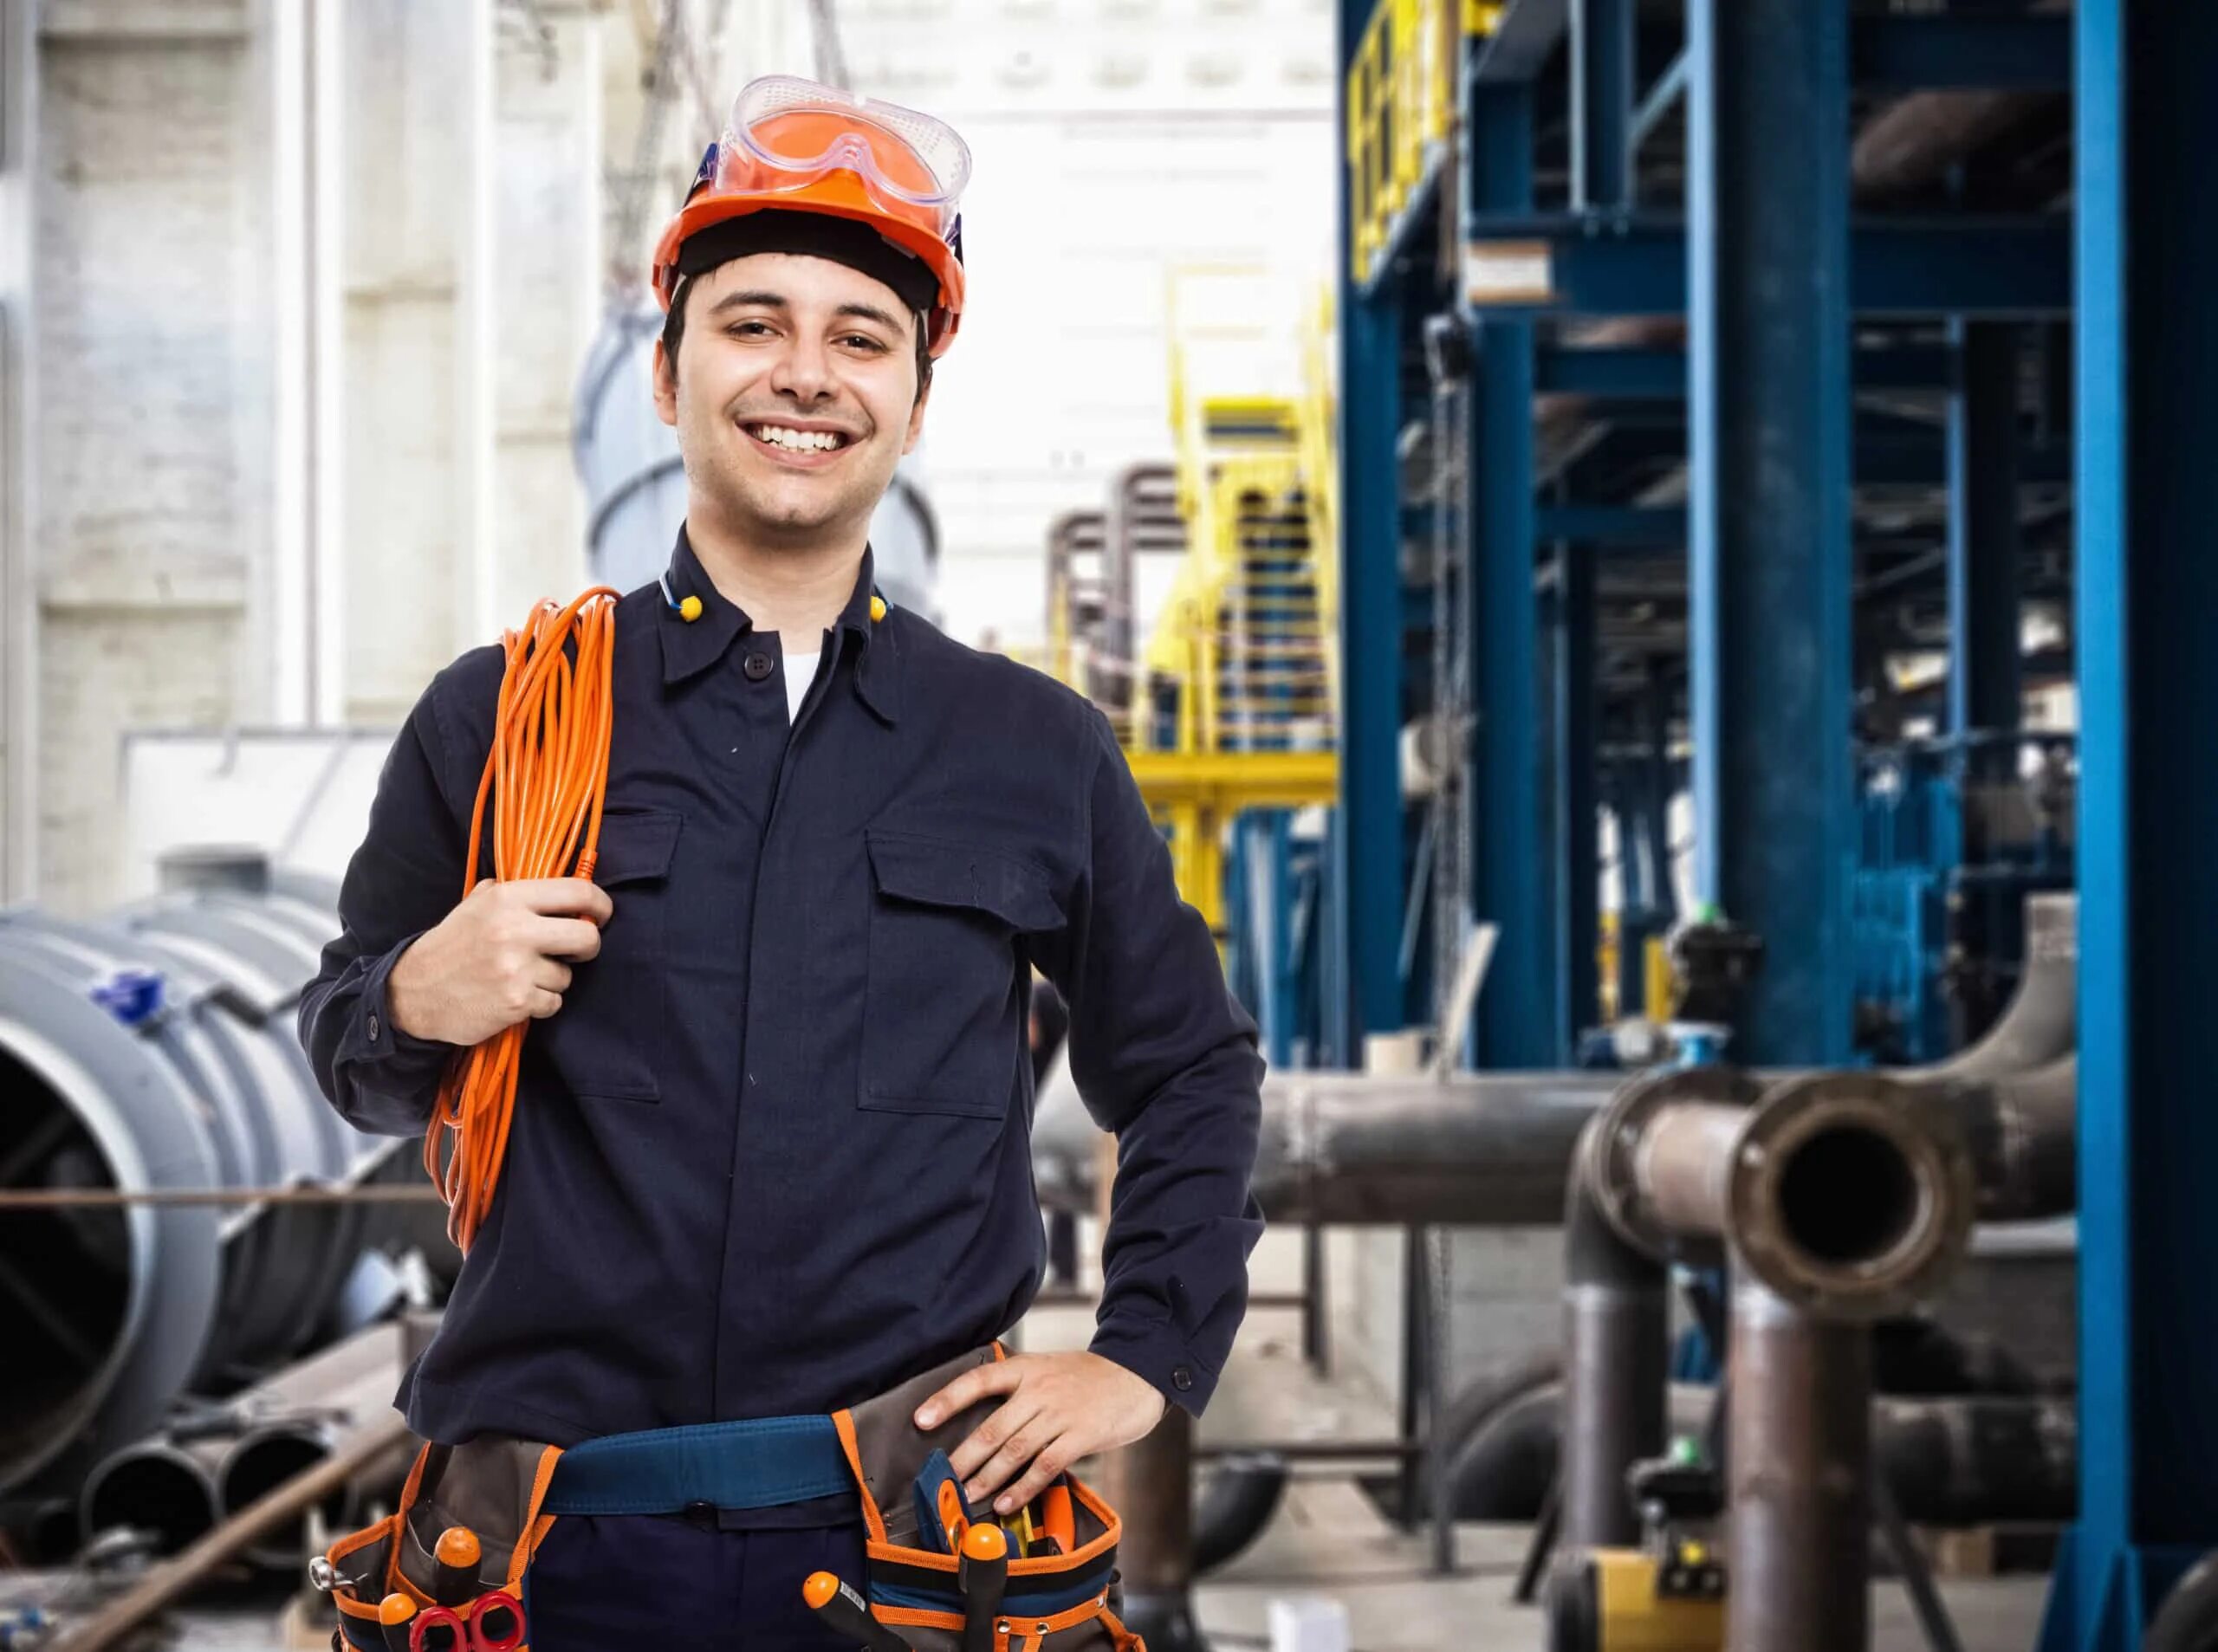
x=602 y=1041
x=941 y=1033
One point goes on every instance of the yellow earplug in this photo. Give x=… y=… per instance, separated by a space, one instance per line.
x=877 y=608
x=690 y=610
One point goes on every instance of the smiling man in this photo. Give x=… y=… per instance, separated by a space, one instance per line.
x=770 y=1154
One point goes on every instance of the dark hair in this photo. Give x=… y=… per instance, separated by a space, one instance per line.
x=673 y=334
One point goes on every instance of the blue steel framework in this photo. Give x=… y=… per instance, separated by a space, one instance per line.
x=2148 y=613
x=1803 y=305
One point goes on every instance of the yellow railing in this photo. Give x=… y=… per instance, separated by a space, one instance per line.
x=1401 y=109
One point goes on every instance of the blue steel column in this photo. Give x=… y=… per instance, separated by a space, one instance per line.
x=1601 y=103
x=1983 y=623
x=1768 y=415
x=2147 y=611
x=1517 y=1012
x=1577 y=853
x=1367 y=835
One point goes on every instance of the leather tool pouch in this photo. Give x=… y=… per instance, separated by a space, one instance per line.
x=1066 y=1603
x=494 y=1486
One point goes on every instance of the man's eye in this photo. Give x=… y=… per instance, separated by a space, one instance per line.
x=864 y=341
x=750 y=328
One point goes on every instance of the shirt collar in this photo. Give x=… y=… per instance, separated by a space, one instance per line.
x=690 y=646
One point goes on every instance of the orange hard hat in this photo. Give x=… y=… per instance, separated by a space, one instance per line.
x=793 y=146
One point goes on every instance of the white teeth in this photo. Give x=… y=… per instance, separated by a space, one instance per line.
x=779 y=436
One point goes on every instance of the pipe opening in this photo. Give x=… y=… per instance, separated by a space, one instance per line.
x=261 y=1466
x=158 y=1490
x=1848 y=1195
x=65 y=1275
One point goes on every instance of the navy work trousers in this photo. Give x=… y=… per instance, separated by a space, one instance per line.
x=672 y=1584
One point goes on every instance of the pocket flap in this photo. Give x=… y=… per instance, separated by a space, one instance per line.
x=636 y=844
x=936 y=872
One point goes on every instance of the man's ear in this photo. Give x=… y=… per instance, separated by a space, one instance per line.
x=665 y=387
x=916 y=419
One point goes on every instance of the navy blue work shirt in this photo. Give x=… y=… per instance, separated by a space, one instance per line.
x=772 y=1154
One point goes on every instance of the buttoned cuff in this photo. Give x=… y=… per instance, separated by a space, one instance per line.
x=1155 y=1350
x=375 y=1038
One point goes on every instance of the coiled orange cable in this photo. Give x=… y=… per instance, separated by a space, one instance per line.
x=547 y=777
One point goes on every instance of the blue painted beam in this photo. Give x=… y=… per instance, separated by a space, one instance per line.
x=1561 y=265
x=2146 y=600
x=1367 y=870
x=1521 y=42
x=1574 y=884
x=1630 y=374
x=1516 y=1016
x=1658 y=101
x=1615 y=525
x=1983 y=541
x=1995 y=51
x=1767 y=276
x=1601 y=104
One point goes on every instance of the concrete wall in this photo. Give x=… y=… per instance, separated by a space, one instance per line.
x=292 y=297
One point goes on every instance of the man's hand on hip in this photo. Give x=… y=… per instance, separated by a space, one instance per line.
x=1060 y=1408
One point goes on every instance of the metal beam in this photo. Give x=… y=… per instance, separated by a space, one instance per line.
x=1567 y=265
x=1614 y=525
x=2146 y=600
x=1576 y=896
x=1518 y=47
x=1767 y=252
x=1516 y=1024
x=1601 y=104
x=1670 y=86
x=1631 y=374
x=1939 y=51
x=1366 y=867
x=1983 y=541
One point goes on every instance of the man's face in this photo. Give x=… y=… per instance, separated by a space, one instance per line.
x=793 y=395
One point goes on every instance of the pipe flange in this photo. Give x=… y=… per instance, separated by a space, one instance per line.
x=1847 y=1199
x=1614 y=1145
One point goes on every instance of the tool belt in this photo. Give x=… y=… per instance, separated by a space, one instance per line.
x=510 y=1493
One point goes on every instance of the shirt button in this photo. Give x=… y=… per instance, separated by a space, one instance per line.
x=374 y=1027
x=757 y=667
x=1181 y=1378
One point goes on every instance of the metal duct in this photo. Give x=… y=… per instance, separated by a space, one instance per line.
x=1492 y=1149
x=156 y=1050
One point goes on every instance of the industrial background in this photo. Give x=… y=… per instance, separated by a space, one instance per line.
x=1653 y=558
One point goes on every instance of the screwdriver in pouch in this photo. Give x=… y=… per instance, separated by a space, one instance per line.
x=846 y=1615
x=454 y=1575
x=396 y=1613
x=984 y=1573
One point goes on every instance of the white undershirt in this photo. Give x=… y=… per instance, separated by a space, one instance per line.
x=801 y=667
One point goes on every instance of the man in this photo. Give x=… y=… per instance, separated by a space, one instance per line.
x=769 y=1156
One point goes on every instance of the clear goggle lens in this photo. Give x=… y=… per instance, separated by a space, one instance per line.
x=787 y=132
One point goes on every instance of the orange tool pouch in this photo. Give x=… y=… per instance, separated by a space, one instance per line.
x=1065 y=1602
x=494 y=1487
x=499 y=1488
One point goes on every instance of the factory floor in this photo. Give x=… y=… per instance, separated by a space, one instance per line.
x=1328 y=1537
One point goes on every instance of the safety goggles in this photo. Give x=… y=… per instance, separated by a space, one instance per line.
x=786 y=134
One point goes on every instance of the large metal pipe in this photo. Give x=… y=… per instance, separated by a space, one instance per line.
x=155 y=1050
x=1151 y=1482
x=1616 y=1334
x=1492 y=1149
x=1839 y=1191
x=158 y=1487
x=1953 y=1461
x=1488 y=1149
x=2021 y=1130
x=1798 y=1467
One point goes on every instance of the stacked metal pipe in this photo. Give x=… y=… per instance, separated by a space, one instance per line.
x=1835 y=1199
x=154 y=1050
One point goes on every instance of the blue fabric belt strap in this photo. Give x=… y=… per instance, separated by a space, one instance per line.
x=755 y=1464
